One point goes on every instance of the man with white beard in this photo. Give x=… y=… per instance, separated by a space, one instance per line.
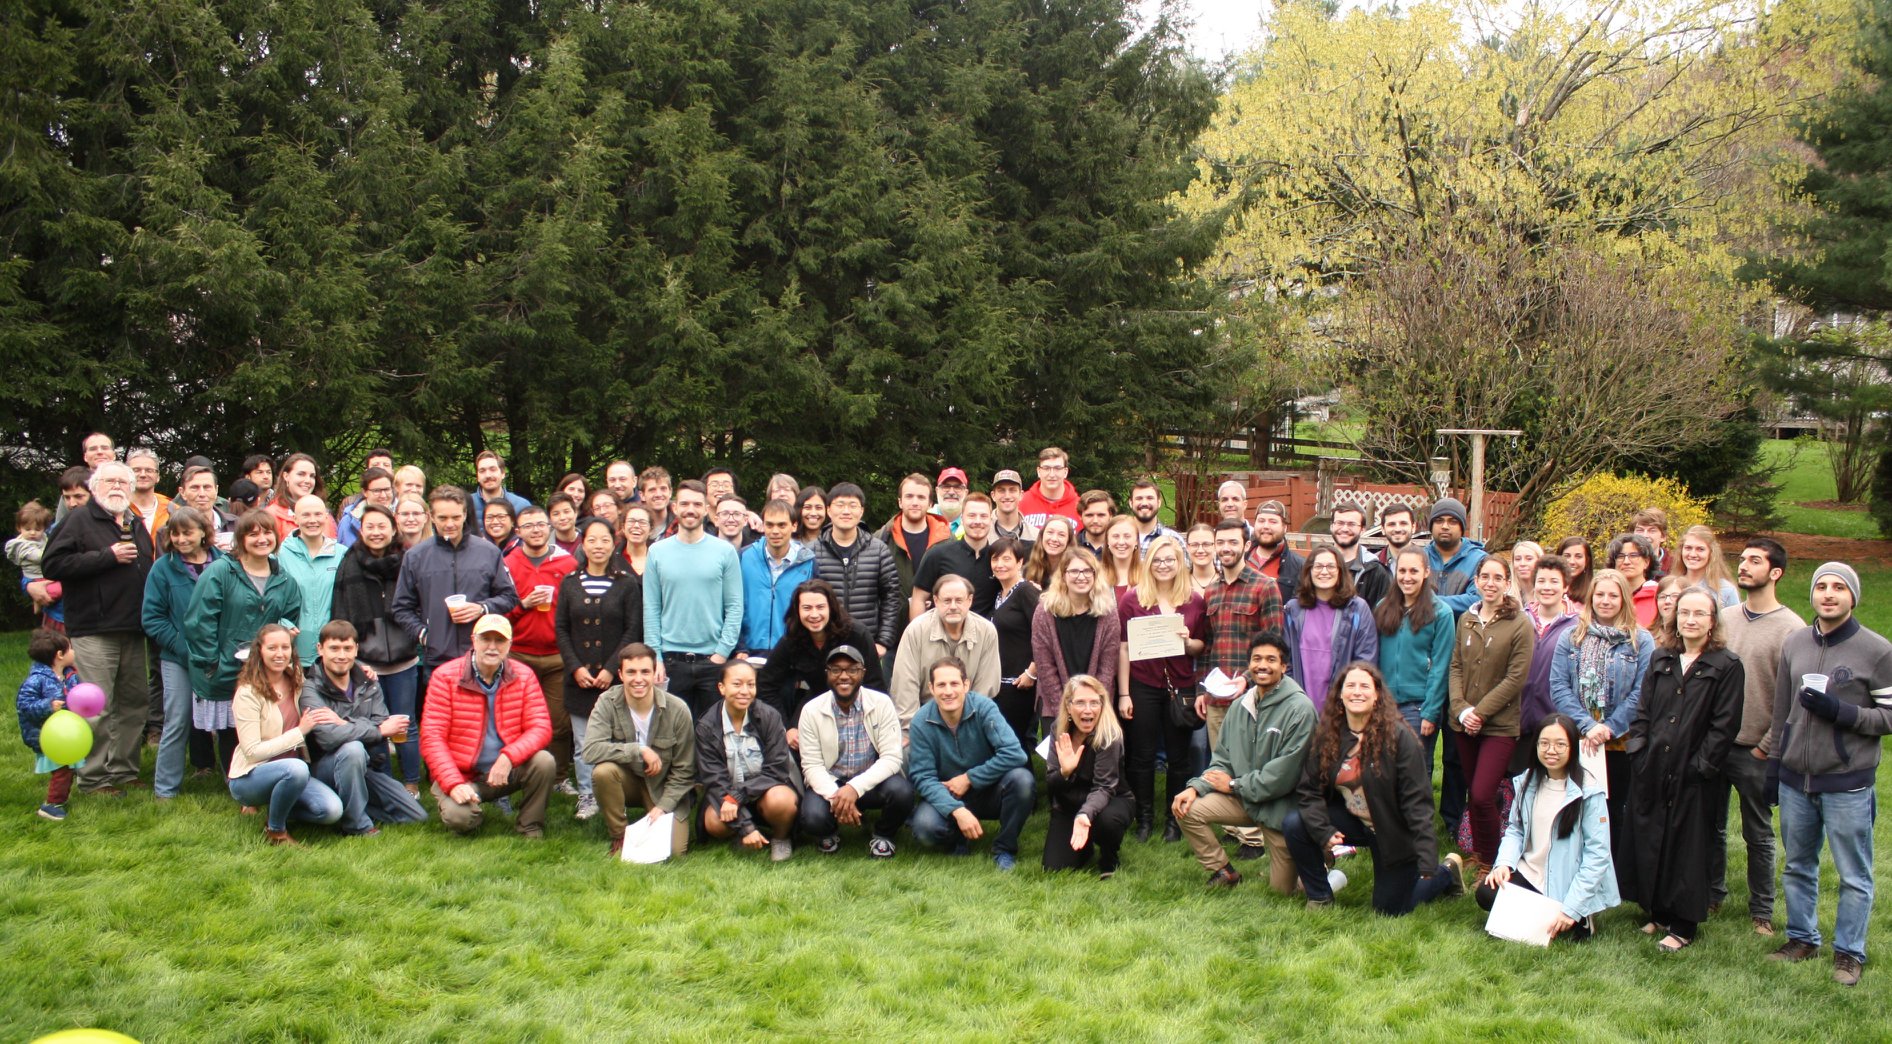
x=101 y=553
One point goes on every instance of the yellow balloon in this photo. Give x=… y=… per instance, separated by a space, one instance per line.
x=85 y=1036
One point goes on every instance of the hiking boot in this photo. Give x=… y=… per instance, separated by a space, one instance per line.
x=1227 y=877
x=1846 y=969
x=1763 y=926
x=281 y=838
x=1794 y=951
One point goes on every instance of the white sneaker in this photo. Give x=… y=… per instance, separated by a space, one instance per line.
x=587 y=807
x=1336 y=880
x=780 y=849
x=565 y=787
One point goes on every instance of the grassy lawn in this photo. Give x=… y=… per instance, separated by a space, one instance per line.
x=177 y=923
x=1810 y=479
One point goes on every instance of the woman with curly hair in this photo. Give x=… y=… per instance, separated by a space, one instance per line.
x=797 y=668
x=1365 y=784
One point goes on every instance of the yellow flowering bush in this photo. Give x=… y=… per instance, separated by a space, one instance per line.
x=1604 y=505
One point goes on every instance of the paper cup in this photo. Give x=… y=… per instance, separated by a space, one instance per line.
x=454 y=601
x=1816 y=682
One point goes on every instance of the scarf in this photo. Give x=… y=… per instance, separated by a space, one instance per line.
x=1593 y=677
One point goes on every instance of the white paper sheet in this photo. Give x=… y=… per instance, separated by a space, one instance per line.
x=1154 y=637
x=1594 y=768
x=1521 y=915
x=648 y=840
x=1044 y=749
x=1222 y=686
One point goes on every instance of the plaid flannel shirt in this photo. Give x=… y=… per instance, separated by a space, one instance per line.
x=1237 y=613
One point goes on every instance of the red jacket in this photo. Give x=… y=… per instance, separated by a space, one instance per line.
x=532 y=631
x=1036 y=507
x=453 y=720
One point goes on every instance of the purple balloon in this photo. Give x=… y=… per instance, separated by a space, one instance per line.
x=86 y=700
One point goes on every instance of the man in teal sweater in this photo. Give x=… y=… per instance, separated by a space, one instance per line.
x=692 y=603
x=1257 y=763
x=966 y=764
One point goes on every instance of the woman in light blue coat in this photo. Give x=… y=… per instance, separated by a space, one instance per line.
x=1596 y=681
x=1557 y=842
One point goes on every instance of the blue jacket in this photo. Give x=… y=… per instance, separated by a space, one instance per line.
x=1626 y=670
x=765 y=600
x=1418 y=666
x=1453 y=578
x=1578 y=871
x=168 y=591
x=1356 y=637
x=984 y=748
x=35 y=701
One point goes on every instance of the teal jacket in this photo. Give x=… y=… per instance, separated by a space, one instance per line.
x=984 y=747
x=1263 y=743
x=225 y=613
x=315 y=575
x=168 y=590
x=1417 y=666
x=1579 y=872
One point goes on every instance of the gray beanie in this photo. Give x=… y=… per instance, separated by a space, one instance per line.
x=1446 y=507
x=1846 y=576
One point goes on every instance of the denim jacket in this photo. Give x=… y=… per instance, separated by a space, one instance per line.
x=1626 y=669
x=1578 y=872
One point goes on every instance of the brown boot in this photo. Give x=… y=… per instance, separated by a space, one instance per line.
x=281 y=838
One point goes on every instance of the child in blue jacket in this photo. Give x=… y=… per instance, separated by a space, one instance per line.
x=42 y=693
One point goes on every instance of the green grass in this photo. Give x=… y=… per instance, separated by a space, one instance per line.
x=1810 y=479
x=177 y=923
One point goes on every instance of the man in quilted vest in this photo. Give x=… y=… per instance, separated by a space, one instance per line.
x=483 y=734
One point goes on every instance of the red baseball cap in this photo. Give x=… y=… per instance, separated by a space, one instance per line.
x=952 y=474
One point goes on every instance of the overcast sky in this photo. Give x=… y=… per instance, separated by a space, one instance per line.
x=1223 y=27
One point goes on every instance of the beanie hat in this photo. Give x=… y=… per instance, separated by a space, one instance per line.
x=1446 y=507
x=1846 y=576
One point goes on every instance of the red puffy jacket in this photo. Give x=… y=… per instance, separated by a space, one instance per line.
x=453 y=720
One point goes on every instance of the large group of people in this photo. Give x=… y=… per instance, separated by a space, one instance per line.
x=780 y=671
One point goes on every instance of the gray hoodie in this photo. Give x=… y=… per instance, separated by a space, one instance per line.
x=1817 y=756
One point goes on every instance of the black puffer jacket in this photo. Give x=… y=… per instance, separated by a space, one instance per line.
x=867 y=580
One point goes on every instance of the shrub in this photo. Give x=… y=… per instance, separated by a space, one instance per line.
x=1604 y=505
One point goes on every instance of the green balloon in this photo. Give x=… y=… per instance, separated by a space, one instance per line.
x=65 y=738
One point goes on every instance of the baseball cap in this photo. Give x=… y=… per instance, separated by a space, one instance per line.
x=953 y=475
x=493 y=623
x=1007 y=475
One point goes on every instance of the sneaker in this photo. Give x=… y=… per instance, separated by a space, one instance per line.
x=505 y=804
x=780 y=849
x=879 y=847
x=565 y=787
x=413 y=789
x=1320 y=904
x=1004 y=860
x=56 y=813
x=1763 y=926
x=830 y=844
x=1846 y=969
x=1336 y=880
x=587 y=807
x=1226 y=877
x=1794 y=951
x=1456 y=864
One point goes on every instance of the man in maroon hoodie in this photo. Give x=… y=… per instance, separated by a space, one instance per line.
x=1051 y=494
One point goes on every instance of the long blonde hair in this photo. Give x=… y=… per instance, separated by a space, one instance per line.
x=1040 y=568
x=1058 y=599
x=1151 y=591
x=1108 y=729
x=1625 y=617
x=1107 y=572
x=1716 y=574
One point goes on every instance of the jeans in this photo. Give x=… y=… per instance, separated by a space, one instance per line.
x=368 y=796
x=1397 y=887
x=1149 y=728
x=1414 y=715
x=287 y=789
x=174 y=743
x=1845 y=820
x=401 y=689
x=115 y=662
x=1746 y=775
x=1009 y=801
x=893 y=796
x=693 y=679
x=580 y=767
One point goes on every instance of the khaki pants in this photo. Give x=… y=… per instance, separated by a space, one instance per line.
x=115 y=662
x=1247 y=835
x=534 y=777
x=1213 y=808
x=551 y=674
x=618 y=789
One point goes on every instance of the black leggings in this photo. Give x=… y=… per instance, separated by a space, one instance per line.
x=1107 y=831
x=1149 y=728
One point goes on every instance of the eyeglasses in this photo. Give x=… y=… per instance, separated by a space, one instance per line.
x=1553 y=745
x=535 y=525
x=1626 y=555
x=1080 y=571
x=1054 y=467
x=1694 y=614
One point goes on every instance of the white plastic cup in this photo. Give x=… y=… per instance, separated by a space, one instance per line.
x=1336 y=880
x=544 y=591
x=1816 y=682
x=455 y=601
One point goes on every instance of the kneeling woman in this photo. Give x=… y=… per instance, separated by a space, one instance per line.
x=1365 y=784
x=1557 y=842
x=270 y=766
x=747 y=772
x=1090 y=799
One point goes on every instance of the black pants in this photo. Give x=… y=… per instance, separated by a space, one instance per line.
x=1486 y=895
x=1020 y=710
x=1616 y=768
x=1107 y=831
x=893 y=797
x=1149 y=728
x=1397 y=886
x=1453 y=786
x=693 y=680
